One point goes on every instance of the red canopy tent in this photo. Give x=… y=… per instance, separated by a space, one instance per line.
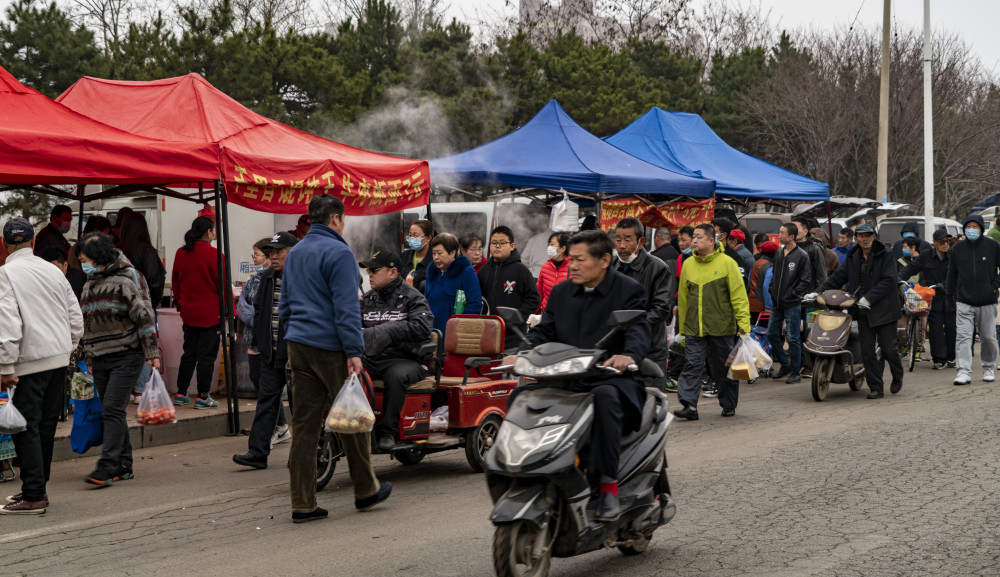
x=266 y=165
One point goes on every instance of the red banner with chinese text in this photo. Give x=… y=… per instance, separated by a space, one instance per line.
x=365 y=190
x=672 y=215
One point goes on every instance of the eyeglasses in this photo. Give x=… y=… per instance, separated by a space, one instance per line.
x=499 y=243
x=416 y=235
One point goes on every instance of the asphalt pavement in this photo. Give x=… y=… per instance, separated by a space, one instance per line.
x=905 y=485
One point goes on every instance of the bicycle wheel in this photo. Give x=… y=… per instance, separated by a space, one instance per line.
x=914 y=327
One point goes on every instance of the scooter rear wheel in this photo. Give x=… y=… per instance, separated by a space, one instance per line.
x=328 y=453
x=522 y=549
x=821 y=378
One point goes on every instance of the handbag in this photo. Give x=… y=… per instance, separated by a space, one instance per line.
x=88 y=424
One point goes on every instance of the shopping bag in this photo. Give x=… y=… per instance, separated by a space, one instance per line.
x=81 y=387
x=88 y=425
x=11 y=420
x=742 y=366
x=351 y=412
x=671 y=330
x=761 y=356
x=155 y=407
x=759 y=335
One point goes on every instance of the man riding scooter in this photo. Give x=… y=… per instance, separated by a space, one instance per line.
x=577 y=315
x=396 y=318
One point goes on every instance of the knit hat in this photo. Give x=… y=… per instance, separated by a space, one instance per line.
x=769 y=247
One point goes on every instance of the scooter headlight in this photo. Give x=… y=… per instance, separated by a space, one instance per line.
x=515 y=445
x=573 y=366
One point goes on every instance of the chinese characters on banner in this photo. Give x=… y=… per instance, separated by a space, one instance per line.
x=672 y=215
x=390 y=187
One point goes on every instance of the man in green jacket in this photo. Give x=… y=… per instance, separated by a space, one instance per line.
x=712 y=308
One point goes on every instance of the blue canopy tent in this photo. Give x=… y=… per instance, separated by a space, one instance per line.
x=681 y=142
x=552 y=151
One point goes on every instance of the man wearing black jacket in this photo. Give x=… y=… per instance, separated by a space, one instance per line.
x=973 y=280
x=269 y=338
x=932 y=265
x=577 y=315
x=508 y=283
x=869 y=271
x=791 y=279
x=396 y=318
x=659 y=282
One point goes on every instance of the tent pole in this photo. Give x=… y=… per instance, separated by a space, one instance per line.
x=829 y=222
x=225 y=310
x=231 y=396
x=79 y=219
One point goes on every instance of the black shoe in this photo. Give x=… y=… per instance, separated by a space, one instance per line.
x=895 y=386
x=876 y=395
x=316 y=515
x=728 y=412
x=782 y=373
x=607 y=508
x=123 y=474
x=249 y=460
x=794 y=378
x=688 y=413
x=100 y=478
x=384 y=490
x=385 y=442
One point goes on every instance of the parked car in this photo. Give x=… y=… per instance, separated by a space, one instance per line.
x=890 y=228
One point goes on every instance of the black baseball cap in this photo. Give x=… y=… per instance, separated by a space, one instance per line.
x=381 y=259
x=281 y=240
x=18 y=231
x=864 y=228
x=941 y=234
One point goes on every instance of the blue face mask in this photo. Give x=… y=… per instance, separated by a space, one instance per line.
x=906 y=252
x=258 y=268
x=908 y=235
x=686 y=251
x=972 y=233
x=414 y=243
x=88 y=268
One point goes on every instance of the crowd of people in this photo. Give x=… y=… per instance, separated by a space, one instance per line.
x=302 y=312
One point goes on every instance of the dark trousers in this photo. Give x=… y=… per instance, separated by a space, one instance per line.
x=714 y=351
x=792 y=316
x=675 y=364
x=253 y=363
x=396 y=375
x=886 y=335
x=201 y=348
x=269 y=407
x=38 y=397
x=941 y=326
x=115 y=375
x=317 y=377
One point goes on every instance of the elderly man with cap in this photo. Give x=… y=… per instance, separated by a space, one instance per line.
x=40 y=327
x=269 y=338
x=396 y=319
x=736 y=241
x=932 y=266
x=869 y=272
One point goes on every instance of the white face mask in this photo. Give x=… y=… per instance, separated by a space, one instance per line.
x=552 y=251
x=629 y=259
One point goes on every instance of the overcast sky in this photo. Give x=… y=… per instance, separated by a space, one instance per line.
x=978 y=21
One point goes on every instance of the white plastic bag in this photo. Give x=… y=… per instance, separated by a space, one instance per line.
x=155 y=406
x=565 y=215
x=671 y=330
x=11 y=420
x=743 y=366
x=439 y=419
x=351 y=413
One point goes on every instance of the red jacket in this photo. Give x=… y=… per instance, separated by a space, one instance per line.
x=549 y=277
x=195 y=285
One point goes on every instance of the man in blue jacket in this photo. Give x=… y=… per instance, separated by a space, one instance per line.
x=322 y=318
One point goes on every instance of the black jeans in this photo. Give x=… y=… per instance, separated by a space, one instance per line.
x=269 y=407
x=115 y=375
x=886 y=335
x=714 y=351
x=201 y=348
x=38 y=396
x=254 y=362
x=941 y=326
x=396 y=375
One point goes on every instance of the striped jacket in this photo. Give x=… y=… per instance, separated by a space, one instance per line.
x=117 y=313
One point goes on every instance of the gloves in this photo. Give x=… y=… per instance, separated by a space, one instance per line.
x=533 y=320
x=864 y=304
x=810 y=297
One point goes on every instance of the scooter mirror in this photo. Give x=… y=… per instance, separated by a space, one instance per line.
x=511 y=316
x=625 y=318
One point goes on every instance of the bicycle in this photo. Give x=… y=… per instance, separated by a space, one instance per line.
x=916 y=305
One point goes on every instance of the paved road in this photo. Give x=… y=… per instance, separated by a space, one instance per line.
x=907 y=485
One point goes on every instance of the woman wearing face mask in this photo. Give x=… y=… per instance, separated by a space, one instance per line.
x=556 y=269
x=414 y=257
x=119 y=337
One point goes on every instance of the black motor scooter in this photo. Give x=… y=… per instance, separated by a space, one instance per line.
x=536 y=470
x=833 y=348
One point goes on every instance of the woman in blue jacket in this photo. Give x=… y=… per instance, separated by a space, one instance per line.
x=451 y=272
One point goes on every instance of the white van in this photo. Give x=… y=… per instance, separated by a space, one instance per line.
x=891 y=229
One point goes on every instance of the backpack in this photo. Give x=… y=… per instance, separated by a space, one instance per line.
x=768 y=275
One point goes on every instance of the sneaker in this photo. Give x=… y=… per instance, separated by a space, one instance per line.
x=938 y=366
x=728 y=412
x=182 y=400
x=136 y=397
x=951 y=364
x=988 y=376
x=671 y=386
x=711 y=393
x=916 y=357
x=100 y=478
x=20 y=497
x=384 y=490
x=281 y=434
x=123 y=474
x=688 y=413
x=24 y=508
x=206 y=403
x=319 y=513
x=962 y=380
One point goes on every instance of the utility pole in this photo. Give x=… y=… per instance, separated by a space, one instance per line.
x=928 y=128
x=882 y=179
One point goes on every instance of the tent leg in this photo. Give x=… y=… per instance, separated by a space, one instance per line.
x=829 y=224
x=80 y=188
x=226 y=310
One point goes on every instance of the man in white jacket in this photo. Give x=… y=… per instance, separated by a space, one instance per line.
x=41 y=326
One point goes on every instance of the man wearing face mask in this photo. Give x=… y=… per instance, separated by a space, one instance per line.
x=910 y=230
x=52 y=235
x=973 y=280
x=656 y=278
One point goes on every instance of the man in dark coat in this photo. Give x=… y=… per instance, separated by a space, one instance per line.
x=52 y=235
x=396 y=319
x=659 y=282
x=932 y=265
x=506 y=282
x=910 y=230
x=870 y=273
x=790 y=281
x=666 y=248
x=577 y=315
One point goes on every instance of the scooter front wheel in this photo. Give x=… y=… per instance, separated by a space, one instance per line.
x=522 y=549
x=821 y=378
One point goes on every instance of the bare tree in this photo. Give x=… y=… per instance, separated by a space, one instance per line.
x=110 y=17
